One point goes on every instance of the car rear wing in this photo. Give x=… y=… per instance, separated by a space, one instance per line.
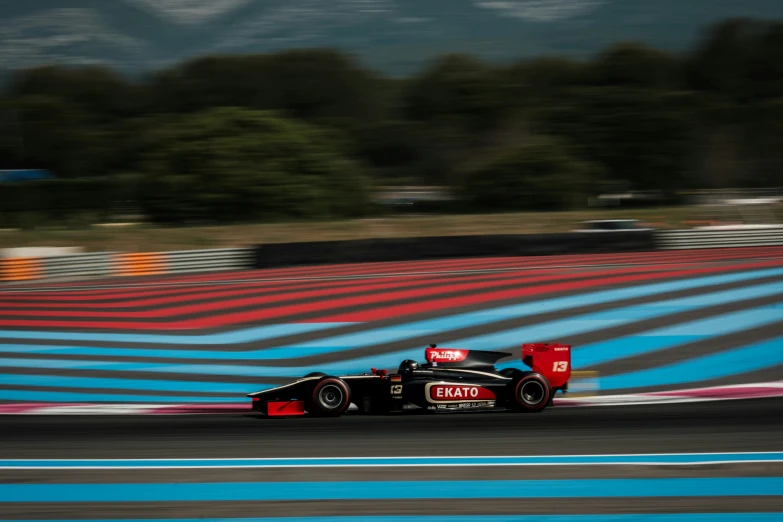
x=552 y=360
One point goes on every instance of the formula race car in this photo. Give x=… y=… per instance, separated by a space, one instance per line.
x=450 y=380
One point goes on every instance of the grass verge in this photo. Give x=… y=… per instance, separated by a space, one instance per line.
x=145 y=238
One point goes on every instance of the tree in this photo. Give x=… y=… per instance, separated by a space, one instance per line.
x=230 y=164
x=739 y=59
x=11 y=141
x=98 y=92
x=455 y=90
x=70 y=120
x=541 y=80
x=54 y=136
x=765 y=70
x=318 y=85
x=638 y=135
x=539 y=175
x=454 y=104
x=763 y=145
x=634 y=65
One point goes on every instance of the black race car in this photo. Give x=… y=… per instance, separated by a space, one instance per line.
x=451 y=379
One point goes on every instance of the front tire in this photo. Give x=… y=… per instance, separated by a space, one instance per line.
x=531 y=393
x=331 y=397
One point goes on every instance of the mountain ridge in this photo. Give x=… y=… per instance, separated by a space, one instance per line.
x=393 y=36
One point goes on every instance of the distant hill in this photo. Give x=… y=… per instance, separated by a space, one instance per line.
x=395 y=36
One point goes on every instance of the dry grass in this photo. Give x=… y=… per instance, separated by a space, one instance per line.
x=147 y=238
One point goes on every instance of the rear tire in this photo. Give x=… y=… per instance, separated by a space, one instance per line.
x=531 y=393
x=331 y=397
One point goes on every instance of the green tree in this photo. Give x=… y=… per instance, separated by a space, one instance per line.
x=318 y=85
x=642 y=136
x=763 y=144
x=99 y=93
x=457 y=91
x=528 y=84
x=54 y=136
x=11 y=142
x=454 y=104
x=539 y=175
x=71 y=120
x=229 y=164
x=630 y=64
x=739 y=59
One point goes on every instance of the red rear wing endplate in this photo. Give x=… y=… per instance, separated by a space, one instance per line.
x=552 y=360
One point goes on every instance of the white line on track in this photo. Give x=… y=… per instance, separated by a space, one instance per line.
x=406 y=465
x=401 y=457
x=642 y=459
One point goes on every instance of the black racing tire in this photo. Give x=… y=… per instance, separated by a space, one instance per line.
x=331 y=397
x=315 y=374
x=531 y=393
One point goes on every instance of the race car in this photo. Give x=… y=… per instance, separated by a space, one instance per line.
x=450 y=380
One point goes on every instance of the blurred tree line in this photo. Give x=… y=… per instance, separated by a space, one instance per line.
x=307 y=133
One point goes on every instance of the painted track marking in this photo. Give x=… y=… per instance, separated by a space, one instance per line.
x=649 y=459
x=380 y=490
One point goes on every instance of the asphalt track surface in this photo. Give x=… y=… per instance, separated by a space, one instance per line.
x=703 y=427
x=204 y=338
x=739 y=425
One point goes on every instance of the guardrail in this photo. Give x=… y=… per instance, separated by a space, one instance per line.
x=118 y=264
x=20 y=269
x=113 y=264
x=210 y=260
x=732 y=237
x=78 y=265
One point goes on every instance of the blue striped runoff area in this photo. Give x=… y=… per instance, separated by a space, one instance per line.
x=727 y=363
x=391 y=333
x=571 y=326
x=392 y=490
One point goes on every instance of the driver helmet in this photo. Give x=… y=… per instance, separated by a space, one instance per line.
x=408 y=365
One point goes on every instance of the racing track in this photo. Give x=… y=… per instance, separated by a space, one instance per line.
x=646 y=322
x=741 y=425
x=709 y=427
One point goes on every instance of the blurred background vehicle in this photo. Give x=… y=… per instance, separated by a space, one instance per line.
x=609 y=225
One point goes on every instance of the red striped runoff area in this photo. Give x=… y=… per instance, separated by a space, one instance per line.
x=645 y=323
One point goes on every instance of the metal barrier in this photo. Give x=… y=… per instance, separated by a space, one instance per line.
x=113 y=264
x=140 y=264
x=79 y=265
x=210 y=260
x=189 y=261
x=717 y=238
x=20 y=269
